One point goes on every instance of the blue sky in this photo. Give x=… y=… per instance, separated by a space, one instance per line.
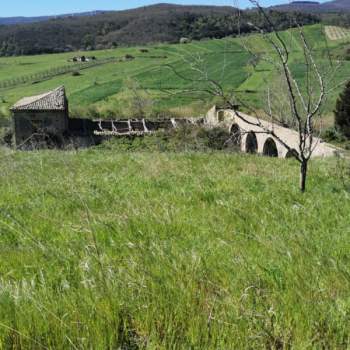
x=43 y=7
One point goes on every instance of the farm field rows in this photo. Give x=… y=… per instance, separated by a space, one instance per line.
x=337 y=33
x=104 y=87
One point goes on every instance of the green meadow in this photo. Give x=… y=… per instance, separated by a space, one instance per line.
x=150 y=244
x=103 y=249
x=103 y=90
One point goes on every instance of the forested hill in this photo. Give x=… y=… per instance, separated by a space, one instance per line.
x=22 y=20
x=315 y=6
x=336 y=12
x=157 y=23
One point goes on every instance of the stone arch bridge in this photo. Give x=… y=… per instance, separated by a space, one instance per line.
x=253 y=139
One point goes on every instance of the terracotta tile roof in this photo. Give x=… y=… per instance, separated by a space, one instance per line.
x=52 y=100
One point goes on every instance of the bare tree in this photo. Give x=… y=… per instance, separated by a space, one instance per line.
x=139 y=101
x=302 y=103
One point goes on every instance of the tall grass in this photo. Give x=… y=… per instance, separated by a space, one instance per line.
x=102 y=249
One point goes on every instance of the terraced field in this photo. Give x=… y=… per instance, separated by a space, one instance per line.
x=337 y=33
x=105 y=89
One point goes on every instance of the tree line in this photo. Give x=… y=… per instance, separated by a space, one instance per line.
x=152 y=24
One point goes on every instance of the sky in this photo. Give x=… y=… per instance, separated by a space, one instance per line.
x=31 y=8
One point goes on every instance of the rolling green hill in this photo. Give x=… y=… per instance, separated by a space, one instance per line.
x=105 y=248
x=332 y=6
x=103 y=88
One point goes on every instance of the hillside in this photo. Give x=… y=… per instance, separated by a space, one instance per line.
x=315 y=6
x=163 y=242
x=22 y=20
x=106 y=89
x=151 y=24
x=339 y=5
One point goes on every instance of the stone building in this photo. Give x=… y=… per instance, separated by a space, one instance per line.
x=43 y=117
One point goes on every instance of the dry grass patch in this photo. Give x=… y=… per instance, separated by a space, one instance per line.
x=337 y=33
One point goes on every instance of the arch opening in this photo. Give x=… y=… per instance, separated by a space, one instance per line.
x=270 y=148
x=235 y=133
x=251 y=143
x=291 y=153
x=221 y=116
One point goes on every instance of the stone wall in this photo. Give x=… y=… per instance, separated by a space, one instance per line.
x=34 y=130
x=29 y=123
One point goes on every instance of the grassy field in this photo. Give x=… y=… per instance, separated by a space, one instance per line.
x=103 y=89
x=108 y=248
x=102 y=249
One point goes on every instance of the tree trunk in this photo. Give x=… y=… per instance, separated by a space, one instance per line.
x=303 y=174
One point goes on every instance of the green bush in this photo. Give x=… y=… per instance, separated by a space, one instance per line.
x=333 y=134
x=182 y=139
x=6 y=136
x=216 y=138
x=93 y=113
x=342 y=111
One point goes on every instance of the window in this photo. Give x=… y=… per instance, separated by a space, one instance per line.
x=221 y=116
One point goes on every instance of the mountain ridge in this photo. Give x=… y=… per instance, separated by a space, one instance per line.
x=307 y=6
x=160 y=23
x=315 y=6
x=23 y=19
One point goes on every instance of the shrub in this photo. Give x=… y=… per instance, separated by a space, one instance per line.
x=333 y=134
x=4 y=115
x=342 y=172
x=6 y=137
x=129 y=57
x=93 y=112
x=78 y=112
x=216 y=138
x=347 y=55
x=138 y=102
x=183 y=139
x=342 y=111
